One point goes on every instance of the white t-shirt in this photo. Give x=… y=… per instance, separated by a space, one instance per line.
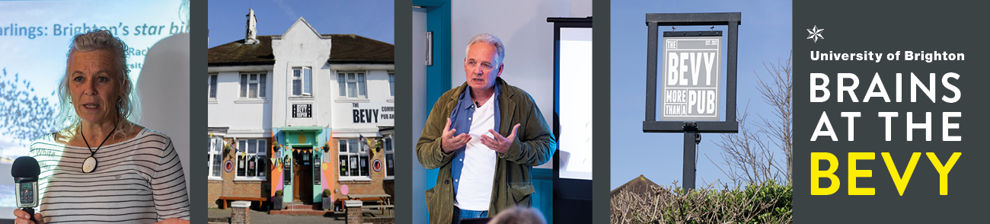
x=474 y=190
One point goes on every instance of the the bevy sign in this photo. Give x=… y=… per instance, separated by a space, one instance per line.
x=691 y=72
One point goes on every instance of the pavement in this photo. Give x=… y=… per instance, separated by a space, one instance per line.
x=263 y=217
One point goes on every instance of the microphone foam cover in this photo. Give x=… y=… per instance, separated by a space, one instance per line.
x=25 y=166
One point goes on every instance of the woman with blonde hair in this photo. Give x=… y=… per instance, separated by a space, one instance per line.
x=100 y=166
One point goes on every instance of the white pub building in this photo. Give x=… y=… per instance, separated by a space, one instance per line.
x=300 y=113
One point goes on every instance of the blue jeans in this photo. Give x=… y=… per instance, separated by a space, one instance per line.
x=460 y=214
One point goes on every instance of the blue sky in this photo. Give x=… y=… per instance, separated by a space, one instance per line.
x=373 y=18
x=764 y=36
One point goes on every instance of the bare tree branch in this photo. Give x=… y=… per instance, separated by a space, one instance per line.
x=750 y=156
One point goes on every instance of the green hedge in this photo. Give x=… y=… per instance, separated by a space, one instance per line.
x=757 y=203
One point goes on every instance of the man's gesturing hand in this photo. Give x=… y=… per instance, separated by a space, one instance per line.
x=449 y=142
x=497 y=142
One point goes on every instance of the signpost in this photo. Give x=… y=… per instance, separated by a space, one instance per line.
x=691 y=77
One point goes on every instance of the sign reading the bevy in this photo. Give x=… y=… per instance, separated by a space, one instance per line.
x=691 y=73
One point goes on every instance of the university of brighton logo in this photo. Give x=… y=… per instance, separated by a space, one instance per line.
x=815 y=34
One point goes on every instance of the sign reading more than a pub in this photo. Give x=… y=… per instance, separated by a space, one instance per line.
x=690 y=90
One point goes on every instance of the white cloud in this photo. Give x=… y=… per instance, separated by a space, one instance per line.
x=286 y=8
x=12 y=148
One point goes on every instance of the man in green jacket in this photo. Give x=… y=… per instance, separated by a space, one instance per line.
x=485 y=136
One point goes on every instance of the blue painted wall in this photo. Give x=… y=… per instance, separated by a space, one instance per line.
x=543 y=197
x=437 y=74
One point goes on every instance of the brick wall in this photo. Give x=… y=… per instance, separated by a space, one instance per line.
x=377 y=184
x=229 y=187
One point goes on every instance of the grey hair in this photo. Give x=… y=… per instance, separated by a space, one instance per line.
x=489 y=39
x=126 y=104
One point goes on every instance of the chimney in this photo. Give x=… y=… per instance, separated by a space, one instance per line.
x=252 y=28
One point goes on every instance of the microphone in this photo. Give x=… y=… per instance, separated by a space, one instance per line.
x=25 y=172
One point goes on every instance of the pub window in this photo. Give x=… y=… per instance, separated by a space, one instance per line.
x=213 y=86
x=391 y=83
x=251 y=158
x=216 y=156
x=302 y=81
x=253 y=85
x=389 y=157
x=352 y=85
x=353 y=158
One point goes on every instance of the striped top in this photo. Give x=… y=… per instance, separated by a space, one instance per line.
x=139 y=180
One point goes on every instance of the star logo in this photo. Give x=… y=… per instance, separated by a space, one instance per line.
x=814 y=33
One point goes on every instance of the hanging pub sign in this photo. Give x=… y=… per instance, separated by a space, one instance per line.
x=691 y=74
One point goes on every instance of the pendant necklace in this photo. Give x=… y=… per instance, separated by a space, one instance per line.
x=89 y=165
